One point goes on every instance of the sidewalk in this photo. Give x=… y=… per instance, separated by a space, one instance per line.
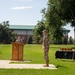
x=6 y=65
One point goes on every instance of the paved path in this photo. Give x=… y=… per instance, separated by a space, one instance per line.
x=6 y=64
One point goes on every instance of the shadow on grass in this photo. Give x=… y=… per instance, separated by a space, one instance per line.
x=60 y=66
x=20 y=62
x=0 y=54
x=54 y=47
x=68 y=60
x=73 y=47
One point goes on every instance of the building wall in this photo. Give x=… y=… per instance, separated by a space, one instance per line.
x=65 y=37
x=24 y=34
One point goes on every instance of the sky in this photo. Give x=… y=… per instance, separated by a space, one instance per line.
x=24 y=12
x=21 y=12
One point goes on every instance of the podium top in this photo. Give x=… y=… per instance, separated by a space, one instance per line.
x=17 y=43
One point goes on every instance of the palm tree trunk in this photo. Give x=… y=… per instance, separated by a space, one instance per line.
x=74 y=35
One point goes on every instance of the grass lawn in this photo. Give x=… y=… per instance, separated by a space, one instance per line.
x=35 y=54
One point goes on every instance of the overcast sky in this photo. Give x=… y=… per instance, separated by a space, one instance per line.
x=23 y=12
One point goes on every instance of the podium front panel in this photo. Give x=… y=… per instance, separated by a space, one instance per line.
x=17 y=51
x=20 y=52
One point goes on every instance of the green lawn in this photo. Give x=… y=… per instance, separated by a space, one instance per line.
x=35 y=54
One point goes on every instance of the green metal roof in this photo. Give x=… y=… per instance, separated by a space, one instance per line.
x=21 y=26
x=29 y=27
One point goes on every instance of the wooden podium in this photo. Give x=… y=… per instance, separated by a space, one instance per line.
x=17 y=51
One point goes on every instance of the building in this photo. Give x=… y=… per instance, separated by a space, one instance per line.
x=24 y=31
x=65 y=35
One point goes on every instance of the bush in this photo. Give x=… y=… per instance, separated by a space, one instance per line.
x=30 y=40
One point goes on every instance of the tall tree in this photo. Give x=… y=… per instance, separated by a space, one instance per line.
x=67 y=12
x=38 y=30
x=53 y=21
x=6 y=35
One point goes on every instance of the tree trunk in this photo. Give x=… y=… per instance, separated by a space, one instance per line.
x=74 y=31
x=74 y=35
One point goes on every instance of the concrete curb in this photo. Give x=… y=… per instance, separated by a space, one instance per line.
x=5 y=65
